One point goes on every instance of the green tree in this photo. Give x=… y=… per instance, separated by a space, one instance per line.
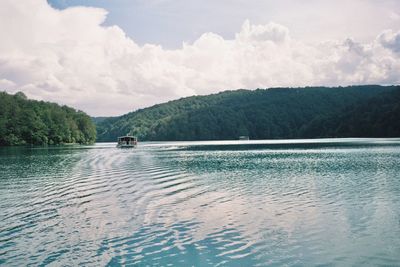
x=24 y=121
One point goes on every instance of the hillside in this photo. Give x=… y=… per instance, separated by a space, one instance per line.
x=24 y=121
x=376 y=117
x=260 y=114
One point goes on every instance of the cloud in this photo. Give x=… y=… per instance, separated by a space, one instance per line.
x=261 y=33
x=4 y=83
x=390 y=40
x=70 y=57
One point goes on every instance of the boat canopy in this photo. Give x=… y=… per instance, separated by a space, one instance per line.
x=127 y=138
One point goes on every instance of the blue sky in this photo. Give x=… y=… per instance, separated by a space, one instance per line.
x=111 y=57
x=171 y=22
x=161 y=22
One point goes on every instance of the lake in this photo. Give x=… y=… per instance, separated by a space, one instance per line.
x=216 y=203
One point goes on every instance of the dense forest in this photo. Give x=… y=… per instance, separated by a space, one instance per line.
x=29 y=122
x=376 y=117
x=357 y=111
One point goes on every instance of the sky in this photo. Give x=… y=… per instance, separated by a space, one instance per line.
x=108 y=58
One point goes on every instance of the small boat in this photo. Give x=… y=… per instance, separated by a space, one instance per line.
x=127 y=141
x=244 y=137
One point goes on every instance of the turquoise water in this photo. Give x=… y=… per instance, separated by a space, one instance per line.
x=226 y=203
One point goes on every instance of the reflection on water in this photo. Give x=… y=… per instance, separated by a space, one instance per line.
x=229 y=203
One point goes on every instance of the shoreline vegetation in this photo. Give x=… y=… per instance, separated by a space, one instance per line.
x=277 y=113
x=25 y=122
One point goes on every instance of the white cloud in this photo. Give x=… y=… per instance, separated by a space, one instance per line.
x=69 y=57
x=390 y=40
x=4 y=83
x=261 y=33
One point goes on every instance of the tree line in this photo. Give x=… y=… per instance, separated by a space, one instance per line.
x=30 y=122
x=311 y=112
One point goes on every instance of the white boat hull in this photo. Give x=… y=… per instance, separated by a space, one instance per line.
x=127 y=141
x=125 y=146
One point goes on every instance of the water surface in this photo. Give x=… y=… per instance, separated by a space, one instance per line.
x=217 y=203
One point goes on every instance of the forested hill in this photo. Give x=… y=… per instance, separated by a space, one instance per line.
x=265 y=114
x=24 y=121
x=376 y=117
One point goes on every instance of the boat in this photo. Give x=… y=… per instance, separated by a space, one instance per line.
x=127 y=141
x=244 y=137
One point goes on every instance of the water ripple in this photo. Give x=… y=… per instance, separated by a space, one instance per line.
x=202 y=204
